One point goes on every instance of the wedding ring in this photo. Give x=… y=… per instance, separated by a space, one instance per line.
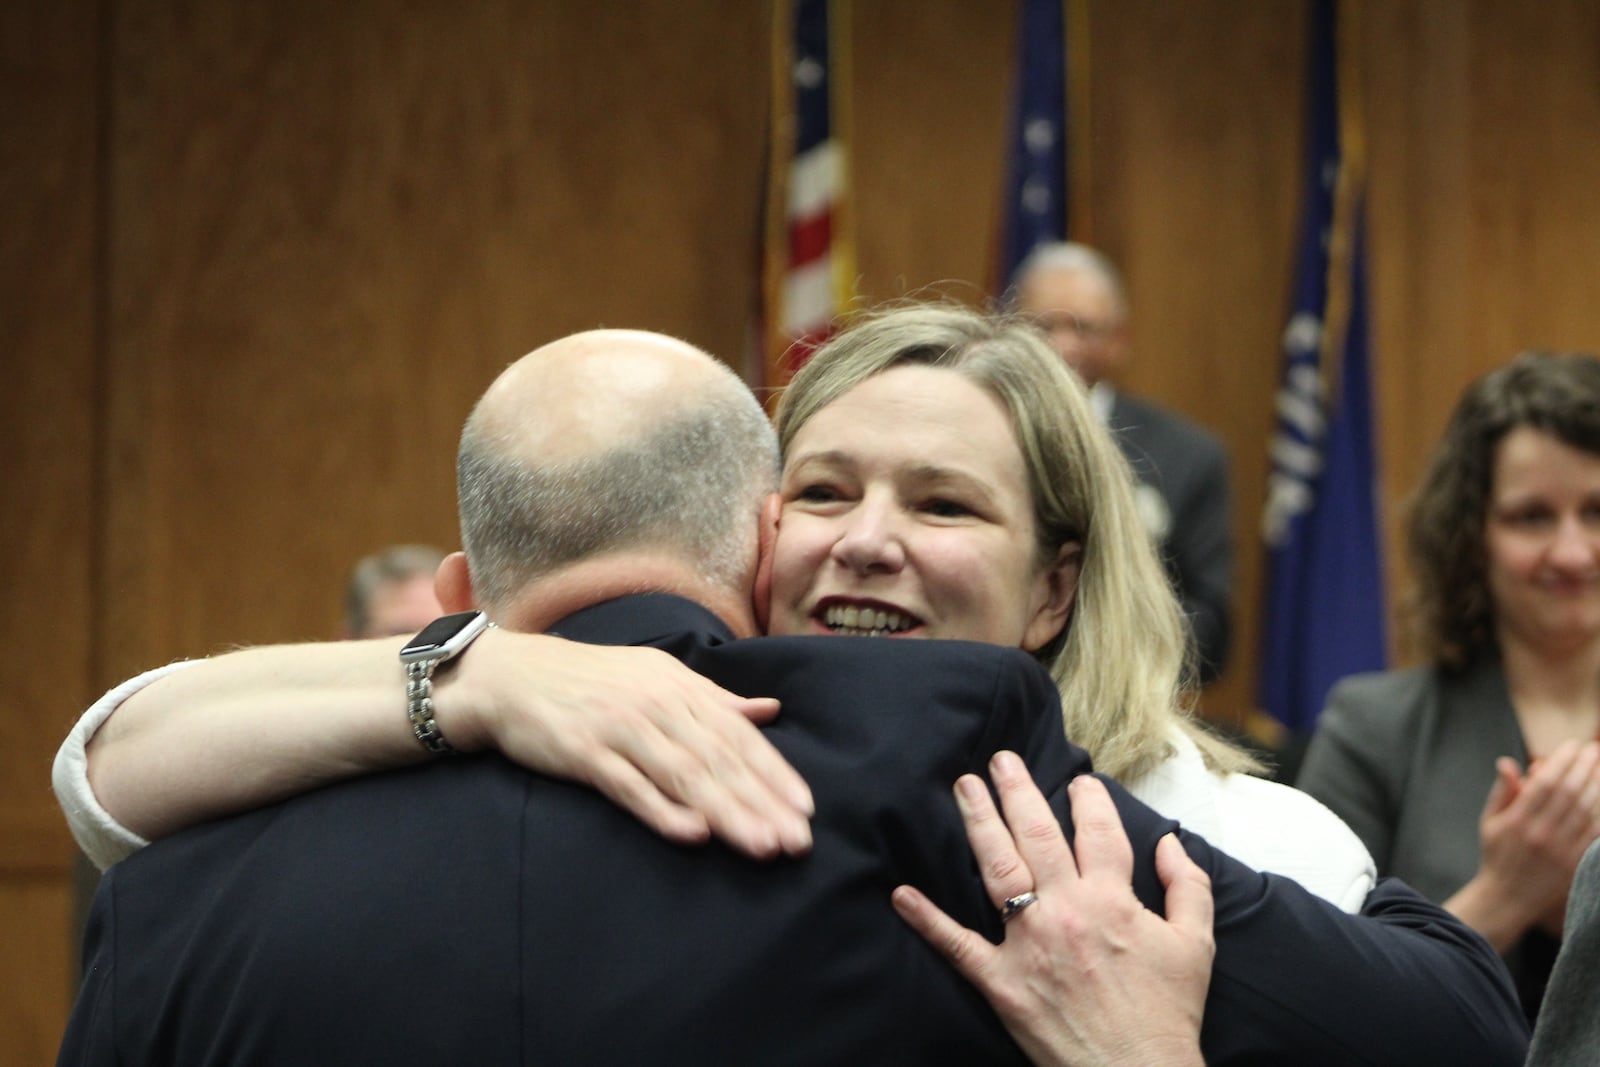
x=1009 y=909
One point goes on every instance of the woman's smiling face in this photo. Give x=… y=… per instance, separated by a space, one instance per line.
x=907 y=512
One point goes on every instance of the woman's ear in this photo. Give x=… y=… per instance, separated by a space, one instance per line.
x=452 y=584
x=1054 y=591
x=766 y=538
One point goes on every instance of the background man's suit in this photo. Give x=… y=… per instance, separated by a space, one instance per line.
x=1187 y=469
x=468 y=912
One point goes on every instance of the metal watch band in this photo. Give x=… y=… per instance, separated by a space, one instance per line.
x=419 y=706
x=441 y=641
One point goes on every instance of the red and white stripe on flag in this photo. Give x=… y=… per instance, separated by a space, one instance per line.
x=809 y=262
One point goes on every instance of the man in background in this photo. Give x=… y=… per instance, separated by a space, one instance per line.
x=391 y=592
x=1076 y=296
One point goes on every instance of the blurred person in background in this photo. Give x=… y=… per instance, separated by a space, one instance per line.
x=391 y=592
x=1476 y=777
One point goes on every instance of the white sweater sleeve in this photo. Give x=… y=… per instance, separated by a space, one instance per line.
x=102 y=838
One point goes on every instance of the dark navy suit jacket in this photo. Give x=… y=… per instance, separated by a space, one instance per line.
x=469 y=912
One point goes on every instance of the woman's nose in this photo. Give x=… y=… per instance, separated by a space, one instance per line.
x=870 y=542
x=1576 y=545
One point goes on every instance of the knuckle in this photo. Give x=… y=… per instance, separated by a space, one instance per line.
x=1040 y=832
x=1004 y=869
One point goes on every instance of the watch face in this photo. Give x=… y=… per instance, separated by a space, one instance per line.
x=444 y=636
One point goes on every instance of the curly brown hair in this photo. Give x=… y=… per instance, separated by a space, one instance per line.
x=1554 y=393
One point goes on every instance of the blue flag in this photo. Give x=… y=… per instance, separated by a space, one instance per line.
x=1324 y=611
x=1035 y=206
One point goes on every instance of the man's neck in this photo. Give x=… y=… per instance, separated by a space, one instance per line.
x=582 y=585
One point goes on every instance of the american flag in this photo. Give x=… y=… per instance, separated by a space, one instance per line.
x=810 y=263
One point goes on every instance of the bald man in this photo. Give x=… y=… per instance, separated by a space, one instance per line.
x=612 y=490
x=1076 y=296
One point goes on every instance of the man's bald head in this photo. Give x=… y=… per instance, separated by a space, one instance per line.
x=588 y=393
x=613 y=441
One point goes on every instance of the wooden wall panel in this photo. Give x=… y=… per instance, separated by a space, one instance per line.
x=335 y=225
x=37 y=974
x=932 y=93
x=49 y=69
x=1418 y=87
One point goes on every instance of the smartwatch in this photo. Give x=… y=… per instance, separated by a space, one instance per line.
x=441 y=640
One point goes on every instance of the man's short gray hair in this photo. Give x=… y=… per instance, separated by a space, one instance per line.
x=1071 y=256
x=691 y=486
x=392 y=566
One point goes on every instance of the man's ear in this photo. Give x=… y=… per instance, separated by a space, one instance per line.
x=1053 y=596
x=452 y=584
x=766 y=538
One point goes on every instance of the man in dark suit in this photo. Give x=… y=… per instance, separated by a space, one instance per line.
x=466 y=911
x=1076 y=296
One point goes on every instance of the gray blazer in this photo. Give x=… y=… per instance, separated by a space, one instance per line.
x=1407 y=759
x=1568 y=1031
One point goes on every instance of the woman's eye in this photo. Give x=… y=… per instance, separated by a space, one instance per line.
x=817 y=494
x=1528 y=517
x=945 y=508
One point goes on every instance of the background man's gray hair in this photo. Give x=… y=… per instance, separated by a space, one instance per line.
x=692 y=485
x=398 y=563
x=1069 y=255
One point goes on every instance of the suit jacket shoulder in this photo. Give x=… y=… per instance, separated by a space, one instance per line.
x=1185 y=504
x=1358 y=758
x=1407 y=758
x=1156 y=438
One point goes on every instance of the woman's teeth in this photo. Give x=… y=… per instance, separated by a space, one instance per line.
x=863 y=622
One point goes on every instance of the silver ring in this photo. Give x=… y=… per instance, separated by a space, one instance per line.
x=1013 y=905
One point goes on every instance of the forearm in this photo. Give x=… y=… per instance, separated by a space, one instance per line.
x=1497 y=912
x=1404 y=982
x=102 y=838
x=250 y=728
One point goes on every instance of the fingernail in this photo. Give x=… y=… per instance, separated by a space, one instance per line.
x=968 y=788
x=801 y=799
x=1006 y=762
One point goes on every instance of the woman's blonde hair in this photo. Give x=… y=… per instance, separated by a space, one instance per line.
x=1120 y=660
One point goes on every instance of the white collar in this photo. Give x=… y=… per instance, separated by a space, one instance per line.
x=1102 y=398
x=1182 y=787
